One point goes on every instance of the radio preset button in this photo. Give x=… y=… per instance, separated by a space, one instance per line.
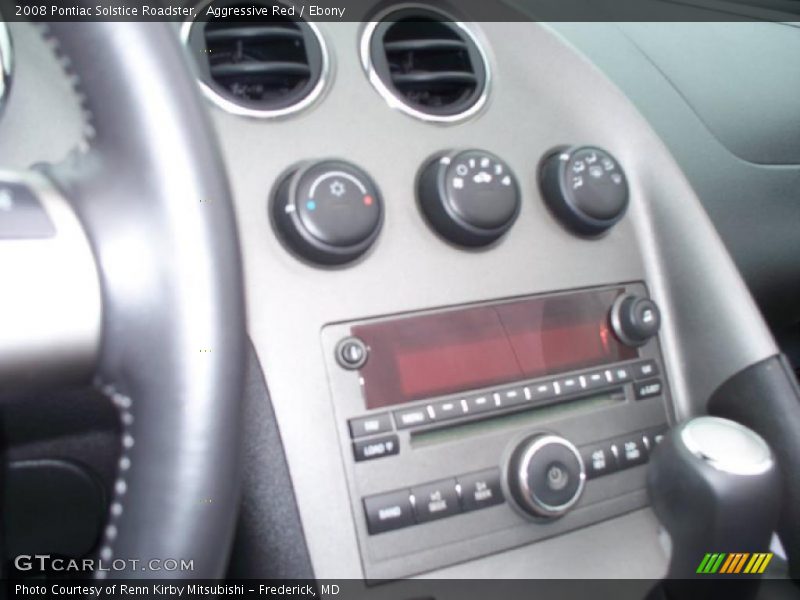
x=570 y=385
x=480 y=403
x=435 y=500
x=480 y=490
x=447 y=409
x=412 y=417
x=376 y=447
x=618 y=375
x=388 y=511
x=648 y=388
x=595 y=379
x=542 y=391
x=364 y=426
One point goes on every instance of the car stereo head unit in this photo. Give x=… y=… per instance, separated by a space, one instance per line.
x=507 y=421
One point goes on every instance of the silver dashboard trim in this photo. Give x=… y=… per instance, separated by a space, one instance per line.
x=396 y=102
x=234 y=108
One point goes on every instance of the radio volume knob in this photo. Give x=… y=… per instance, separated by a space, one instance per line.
x=635 y=319
x=546 y=475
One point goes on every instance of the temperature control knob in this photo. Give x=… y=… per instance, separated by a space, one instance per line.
x=585 y=188
x=635 y=319
x=470 y=197
x=328 y=212
x=546 y=475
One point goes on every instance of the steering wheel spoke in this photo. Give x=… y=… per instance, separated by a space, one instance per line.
x=50 y=307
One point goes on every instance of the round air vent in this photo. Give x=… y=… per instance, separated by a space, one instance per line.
x=425 y=64
x=255 y=64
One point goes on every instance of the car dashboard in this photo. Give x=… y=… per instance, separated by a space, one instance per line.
x=431 y=301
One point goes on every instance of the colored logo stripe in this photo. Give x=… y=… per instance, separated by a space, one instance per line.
x=711 y=563
x=734 y=562
x=758 y=563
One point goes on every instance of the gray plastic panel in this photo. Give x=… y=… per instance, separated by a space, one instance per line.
x=544 y=94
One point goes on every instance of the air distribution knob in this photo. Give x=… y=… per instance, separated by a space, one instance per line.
x=328 y=212
x=469 y=197
x=545 y=475
x=635 y=319
x=585 y=188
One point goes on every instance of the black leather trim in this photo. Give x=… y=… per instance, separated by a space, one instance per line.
x=152 y=194
x=269 y=542
x=766 y=398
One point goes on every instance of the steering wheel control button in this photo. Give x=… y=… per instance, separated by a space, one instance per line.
x=648 y=388
x=21 y=214
x=480 y=490
x=435 y=500
x=469 y=197
x=351 y=353
x=635 y=319
x=328 y=212
x=599 y=460
x=387 y=445
x=372 y=425
x=585 y=188
x=386 y=512
x=546 y=475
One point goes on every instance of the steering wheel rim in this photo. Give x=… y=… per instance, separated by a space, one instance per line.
x=151 y=193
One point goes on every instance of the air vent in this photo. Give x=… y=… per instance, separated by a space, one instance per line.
x=426 y=64
x=263 y=67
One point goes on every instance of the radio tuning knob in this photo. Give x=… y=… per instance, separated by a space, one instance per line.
x=546 y=475
x=585 y=188
x=635 y=319
x=469 y=197
x=328 y=212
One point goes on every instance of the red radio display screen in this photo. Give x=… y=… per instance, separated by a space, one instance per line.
x=449 y=352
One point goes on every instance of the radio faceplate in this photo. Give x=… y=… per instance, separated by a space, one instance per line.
x=426 y=466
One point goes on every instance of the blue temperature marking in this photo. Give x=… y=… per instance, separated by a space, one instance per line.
x=311 y=205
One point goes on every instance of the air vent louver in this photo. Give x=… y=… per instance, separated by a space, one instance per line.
x=433 y=66
x=262 y=66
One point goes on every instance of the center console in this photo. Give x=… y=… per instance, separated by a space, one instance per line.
x=474 y=327
x=504 y=422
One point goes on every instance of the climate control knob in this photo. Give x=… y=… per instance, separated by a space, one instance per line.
x=585 y=188
x=546 y=475
x=469 y=197
x=328 y=212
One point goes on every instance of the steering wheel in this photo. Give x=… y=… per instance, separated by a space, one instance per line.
x=121 y=266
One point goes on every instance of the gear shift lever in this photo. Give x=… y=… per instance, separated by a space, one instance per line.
x=715 y=488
